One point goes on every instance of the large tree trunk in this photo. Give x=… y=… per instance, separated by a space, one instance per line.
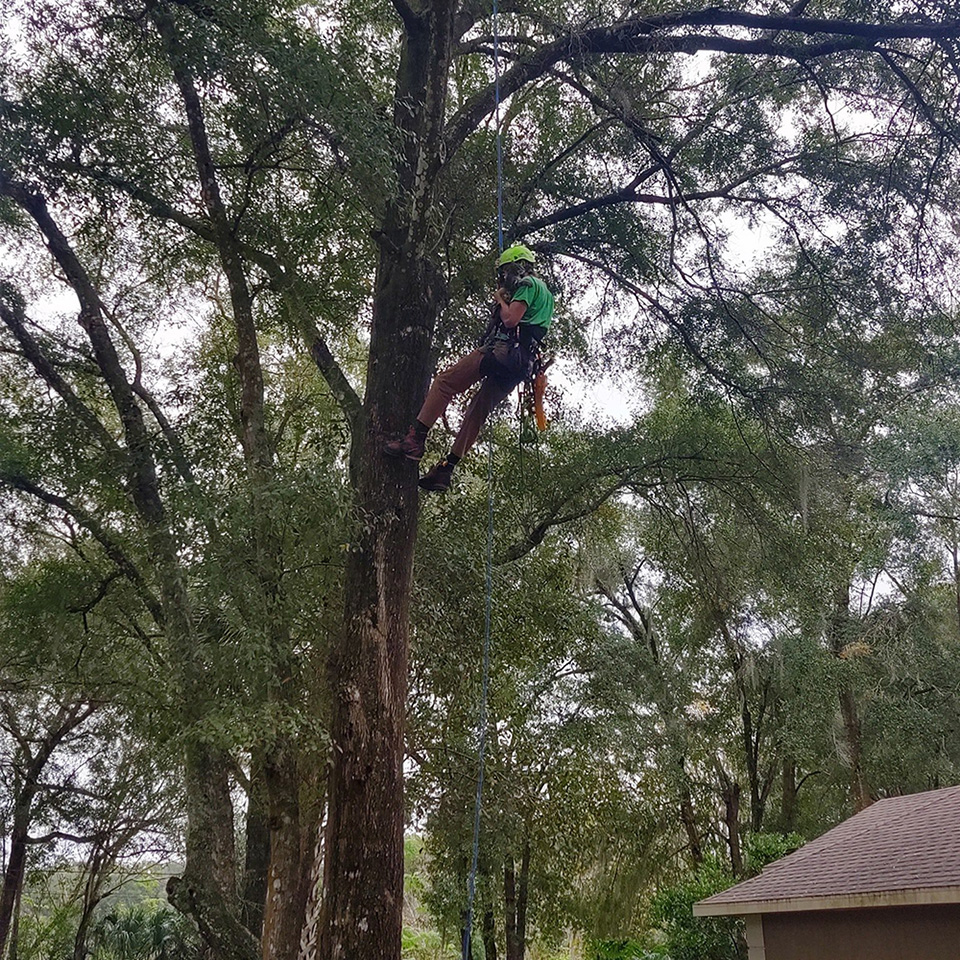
x=16 y=866
x=207 y=890
x=287 y=882
x=363 y=865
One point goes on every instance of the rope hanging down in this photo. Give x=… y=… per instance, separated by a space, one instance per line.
x=488 y=600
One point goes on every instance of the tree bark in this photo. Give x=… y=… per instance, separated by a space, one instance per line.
x=788 y=796
x=13 y=943
x=688 y=818
x=839 y=631
x=489 y=934
x=363 y=865
x=16 y=863
x=523 y=893
x=207 y=890
x=253 y=890
x=731 y=816
x=510 y=908
x=516 y=889
x=287 y=880
x=730 y=795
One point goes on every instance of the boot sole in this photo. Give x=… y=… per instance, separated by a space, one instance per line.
x=432 y=488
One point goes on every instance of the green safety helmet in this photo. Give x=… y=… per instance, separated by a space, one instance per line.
x=517 y=252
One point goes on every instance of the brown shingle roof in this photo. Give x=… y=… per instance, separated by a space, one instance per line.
x=898 y=850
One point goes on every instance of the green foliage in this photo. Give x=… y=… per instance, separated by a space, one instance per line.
x=148 y=931
x=755 y=248
x=685 y=937
x=47 y=926
x=618 y=950
x=427 y=945
x=765 y=848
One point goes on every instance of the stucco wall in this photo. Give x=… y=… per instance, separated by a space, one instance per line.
x=890 y=933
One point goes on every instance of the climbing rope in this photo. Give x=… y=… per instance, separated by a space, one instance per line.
x=482 y=723
x=488 y=600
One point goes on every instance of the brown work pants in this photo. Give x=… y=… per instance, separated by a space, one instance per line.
x=474 y=367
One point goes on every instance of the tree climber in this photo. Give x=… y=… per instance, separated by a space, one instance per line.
x=522 y=316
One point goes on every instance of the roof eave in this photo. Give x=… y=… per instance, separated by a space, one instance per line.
x=850 y=901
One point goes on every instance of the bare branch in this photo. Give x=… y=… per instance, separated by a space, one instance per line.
x=565 y=512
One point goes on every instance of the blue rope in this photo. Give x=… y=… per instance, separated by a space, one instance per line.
x=496 y=117
x=484 y=697
x=488 y=603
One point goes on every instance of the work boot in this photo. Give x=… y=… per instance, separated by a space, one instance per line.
x=411 y=446
x=438 y=477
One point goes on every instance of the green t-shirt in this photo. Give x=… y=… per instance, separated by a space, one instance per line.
x=539 y=300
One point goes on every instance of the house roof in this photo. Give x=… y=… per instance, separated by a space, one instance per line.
x=902 y=850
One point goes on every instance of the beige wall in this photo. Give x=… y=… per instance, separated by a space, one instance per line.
x=890 y=933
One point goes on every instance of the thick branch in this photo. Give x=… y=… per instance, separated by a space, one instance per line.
x=653 y=35
x=406 y=13
x=70 y=837
x=630 y=194
x=919 y=100
x=255 y=438
x=155 y=205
